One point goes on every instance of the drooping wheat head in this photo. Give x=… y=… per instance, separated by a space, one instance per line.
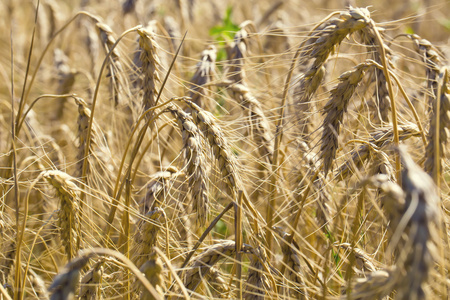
x=68 y=217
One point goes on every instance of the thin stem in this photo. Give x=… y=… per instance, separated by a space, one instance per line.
x=238 y=241
x=391 y=95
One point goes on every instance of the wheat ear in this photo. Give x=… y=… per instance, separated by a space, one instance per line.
x=258 y=121
x=68 y=218
x=66 y=79
x=381 y=138
x=90 y=283
x=319 y=45
x=257 y=286
x=115 y=68
x=150 y=62
x=203 y=75
x=195 y=163
x=334 y=111
x=235 y=71
x=37 y=285
x=64 y=284
x=438 y=133
x=294 y=271
x=152 y=270
x=202 y=264
x=147 y=235
x=376 y=285
x=381 y=94
x=419 y=221
x=227 y=162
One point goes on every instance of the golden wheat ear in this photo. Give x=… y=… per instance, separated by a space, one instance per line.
x=65 y=284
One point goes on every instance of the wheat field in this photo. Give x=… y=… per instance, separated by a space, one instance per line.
x=224 y=149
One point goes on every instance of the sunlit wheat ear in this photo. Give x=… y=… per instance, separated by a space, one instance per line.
x=217 y=282
x=421 y=215
x=235 y=71
x=363 y=262
x=381 y=104
x=65 y=284
x=319 y=45
x=37 y=285
x=152 y=270
x=203 y=75
x=66 y=79
x=84 y=115
x=382 y=137
x=259 y=125
x=92 y=43
x=157 y=189
x=226 y=160
x=114 y=66
x=443 y=114
x=68 y=216
x=200 y=266
x=430 y=56
x=91 y=282
x=334 y=113
x=173 y=29
x=195 y=163
x=257 y=286
x=296 y=287
x=382 y=165
x=150 y=63
x=376 y=285
x=146 y=236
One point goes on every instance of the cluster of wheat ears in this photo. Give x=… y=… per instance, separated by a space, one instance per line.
x=288 y=162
